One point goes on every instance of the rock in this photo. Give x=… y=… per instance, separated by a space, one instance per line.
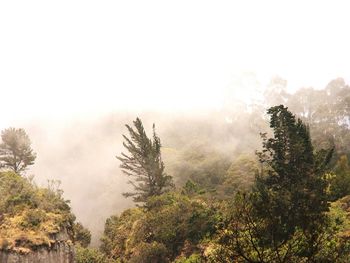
x=60 y=252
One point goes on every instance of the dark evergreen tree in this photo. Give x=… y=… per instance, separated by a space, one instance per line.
x=284 y=218
x=16 y=153
x=144 y=164
x=291 y=192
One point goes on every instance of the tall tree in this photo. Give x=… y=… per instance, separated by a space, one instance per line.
x=16 y=153
x=284 y=218
x=144 y=164
x=291 y=191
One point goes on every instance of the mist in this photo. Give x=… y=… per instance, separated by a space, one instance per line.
x=73 y=74
x=80 y=150
x=80 y=153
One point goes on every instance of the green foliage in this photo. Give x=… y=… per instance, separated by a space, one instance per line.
x=204 y=166
x=191 y=189
x=172 y=225
x=33 y=218
x=144 y=164
x=340 y=182
x=240 y=176
x=194 y=258
x=90 y=255
x=117 y=233
x=152 y=252
x=243 y=239
x=16 y=153
x=327 y=113
x=30 y=216
x=291 y=193
x=284 y=219
x=15 y=192
x=82 y=235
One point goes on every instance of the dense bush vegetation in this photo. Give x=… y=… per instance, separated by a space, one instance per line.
x=31 y=216
x=173 y=225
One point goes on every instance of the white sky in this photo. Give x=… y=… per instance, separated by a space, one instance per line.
x=60 y=58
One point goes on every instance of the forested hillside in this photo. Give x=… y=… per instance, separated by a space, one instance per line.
x=262 y=182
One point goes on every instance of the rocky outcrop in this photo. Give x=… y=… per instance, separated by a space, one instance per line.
x=60 y=252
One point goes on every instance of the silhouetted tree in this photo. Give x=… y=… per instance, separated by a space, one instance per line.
x=16 y=153
x=144 y=164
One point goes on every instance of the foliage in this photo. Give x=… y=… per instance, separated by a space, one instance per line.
x=149 y=252
x=144 y=164
x=325 y=110
x=199 y=163
x=90 y=255
x=118 y=230
x=30 y=216
x=172 y=225
x=241 y=239
x=340 y=182
x=194 y=258
x=284 y=218
x=240 y=176
x=16 y=153
x=82 y=235
x=291 y=193
x=192 y=189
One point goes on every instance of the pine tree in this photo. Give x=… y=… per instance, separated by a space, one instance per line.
x=291 y=193
x=144 y=164
x=16 y=153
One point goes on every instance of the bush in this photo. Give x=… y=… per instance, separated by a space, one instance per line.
x=82 y=235
x=31 y=216
x=89 y=255
x=173 y=224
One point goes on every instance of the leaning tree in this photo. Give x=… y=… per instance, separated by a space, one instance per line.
x=143 y=164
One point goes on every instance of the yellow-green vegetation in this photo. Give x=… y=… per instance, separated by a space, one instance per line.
x=340 y=216
x=240 y=175
x=30 y=216
x=173 y=226
x=90 y=255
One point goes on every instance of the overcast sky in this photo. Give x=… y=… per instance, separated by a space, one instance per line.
x=63 y=58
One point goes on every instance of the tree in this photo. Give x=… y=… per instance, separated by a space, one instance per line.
x=291 y=192
x=144 y=164
x=16 y=153
x=284 y=218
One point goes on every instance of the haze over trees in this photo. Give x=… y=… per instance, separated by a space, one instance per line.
x=289 y=202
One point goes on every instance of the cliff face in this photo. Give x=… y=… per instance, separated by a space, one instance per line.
x=60 y=252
